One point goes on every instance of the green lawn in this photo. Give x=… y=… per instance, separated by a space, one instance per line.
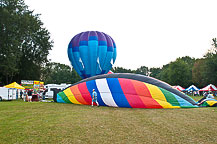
x=37 y=122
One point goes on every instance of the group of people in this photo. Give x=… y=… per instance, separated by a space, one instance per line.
x=26 y=95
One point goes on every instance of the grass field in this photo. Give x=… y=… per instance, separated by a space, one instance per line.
x=37 y=122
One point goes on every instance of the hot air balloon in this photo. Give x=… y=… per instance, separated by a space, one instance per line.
x=92 y=53
x=125 y=90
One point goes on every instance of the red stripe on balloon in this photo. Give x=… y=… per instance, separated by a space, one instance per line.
x=145 y=95
x=85 y=93
x=130 y=93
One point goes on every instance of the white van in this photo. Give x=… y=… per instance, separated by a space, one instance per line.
x=49 y=93
x=7 y=93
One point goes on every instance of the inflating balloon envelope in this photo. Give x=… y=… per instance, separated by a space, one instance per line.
x=92 y=53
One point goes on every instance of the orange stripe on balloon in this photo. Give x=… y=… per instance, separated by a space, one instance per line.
x=77 y=94
x=144 y=94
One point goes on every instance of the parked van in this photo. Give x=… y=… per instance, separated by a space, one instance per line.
x=7 y=93
x=49 y=93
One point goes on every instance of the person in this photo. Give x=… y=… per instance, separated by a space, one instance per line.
x=94 y=97
x=25 y=96
x=21 y=94
x=29 y=96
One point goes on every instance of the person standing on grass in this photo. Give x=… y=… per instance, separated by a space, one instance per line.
x=94 y=97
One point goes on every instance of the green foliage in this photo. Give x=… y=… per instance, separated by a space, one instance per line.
x=121 y=70
x=25 y=43
x=59 y=73
x=143 y=70
x=179 y=73
x=198 y=71
x=155 y=72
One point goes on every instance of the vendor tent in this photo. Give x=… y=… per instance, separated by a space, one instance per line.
x=14 y=85
x=179 y=88
x=210 y=87
x=192 y=88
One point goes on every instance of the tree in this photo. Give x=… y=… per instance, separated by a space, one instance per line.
x=198 y=73
x=25 y=43
x=59 y=73
x=143 y=70
x=121 y=70
x=210 y=65
x=155 y=72
x=178 y=72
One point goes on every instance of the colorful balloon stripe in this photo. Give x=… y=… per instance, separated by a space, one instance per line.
x=122 y=92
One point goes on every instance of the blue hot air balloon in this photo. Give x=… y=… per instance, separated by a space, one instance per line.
x=92 y=53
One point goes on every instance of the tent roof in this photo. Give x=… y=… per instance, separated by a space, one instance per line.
x=192 y=88
x=210 y=87
x=179 y=88
x=14 y=85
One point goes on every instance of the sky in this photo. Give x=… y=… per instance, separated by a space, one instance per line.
x=148 y=33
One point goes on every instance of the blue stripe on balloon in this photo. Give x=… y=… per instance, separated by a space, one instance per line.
x=93 y=38
x=83 y=43
x=114 y=55
x=102 y=43
x=110 y=49
x=72 y=60
x=92 y=85
x=102 y=55
x=107 y=62
x=75 y=49
x=93 y=53
x=84 y=52
x=103 y=72
x=182 y=101
x=117 y=93
x=59 y=99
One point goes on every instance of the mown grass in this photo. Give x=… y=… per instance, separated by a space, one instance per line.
x=37 y=122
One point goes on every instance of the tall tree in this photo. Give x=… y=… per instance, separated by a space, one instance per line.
x=198 y=76
x=210 y=70
x=24 y=42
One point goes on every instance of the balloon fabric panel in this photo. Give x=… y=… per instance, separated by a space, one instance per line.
x=85 y=93
x=92 y=85
x=70 y=96
x=77 y=94
x=117 y=93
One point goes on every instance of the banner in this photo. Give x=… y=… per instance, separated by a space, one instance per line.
x=28 y=84
x=36 y=86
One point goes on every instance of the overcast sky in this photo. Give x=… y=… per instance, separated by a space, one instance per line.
x=146 y=32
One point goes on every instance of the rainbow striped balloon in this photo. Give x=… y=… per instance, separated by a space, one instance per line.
x=125 y=90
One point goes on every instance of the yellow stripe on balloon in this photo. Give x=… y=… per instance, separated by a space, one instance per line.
x=165 y=104
x=70 y=96
x=157 y=95
x=211 y=103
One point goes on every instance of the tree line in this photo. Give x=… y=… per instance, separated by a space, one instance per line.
x=25 y=44
x=184 y=71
